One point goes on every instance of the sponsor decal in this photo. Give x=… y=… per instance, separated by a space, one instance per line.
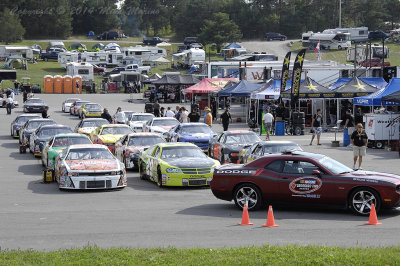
x=365 y=180
x=305 y=185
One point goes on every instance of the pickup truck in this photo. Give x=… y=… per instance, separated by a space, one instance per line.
x=152 y=40
x=49 y=56
x=140 y=69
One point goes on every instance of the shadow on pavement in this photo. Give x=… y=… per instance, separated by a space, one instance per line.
x=10 y=145
x=146 y=185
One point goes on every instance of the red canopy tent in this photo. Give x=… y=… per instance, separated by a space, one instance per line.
x=208 y=85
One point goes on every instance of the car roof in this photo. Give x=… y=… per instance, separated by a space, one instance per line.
x=164 y=118
x=93 y=119
x=40 y=119
x=54 y=126
x=297 y=155
x=194 y=124
x=87 y=146
x=114 y=125
x=74 y=135
x=176 y=144
x=144 y=134
x=237 y=132
x=277 y=142
x=25 y=115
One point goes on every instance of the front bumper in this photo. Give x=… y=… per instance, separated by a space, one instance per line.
x=93 y=182
x=186 y=180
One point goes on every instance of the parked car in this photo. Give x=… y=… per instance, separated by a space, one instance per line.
x=140 y=69
x=115 y=70
x=152 y=40
x=262 y=148
x=98 y=69
x=189 y=40
x=378 y=35
x=51 y=54
x=137 y=120
x=43 y=134
x=34 y=105
x=274 y=36
x=90 y=110
x=108 y=35
x=303 y=178
x=374 y=62
x=89 y=166
x=28 y=128
x=19 y=121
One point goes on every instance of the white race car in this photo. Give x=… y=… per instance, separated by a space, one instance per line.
x=160 y=124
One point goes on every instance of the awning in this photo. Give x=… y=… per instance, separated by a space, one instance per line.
x=243 y=88
x=355 y=88
x=387 y=96
x=309 y=88
x=208 y=85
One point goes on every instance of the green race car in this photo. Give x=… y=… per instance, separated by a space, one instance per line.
x=58 y=143
x=176 y=164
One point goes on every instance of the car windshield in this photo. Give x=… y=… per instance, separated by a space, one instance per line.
x=334 y=166
x=66 y=141
x=36 y=124
x=144 y=140
x=140 y=117
x=34 y=101
x=93 y=107
x=116 y=130
x=165 y=122
x=95 y=123
x=79 y=104
x=196 y=129
x=23 y=119
x=48 y=132
x=88 y=154
x=281 y=148
x=181 y=152
x=70 y=100
x=242 y=138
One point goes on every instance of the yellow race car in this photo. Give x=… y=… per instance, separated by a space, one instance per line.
x=109 y=134
x=90 y=110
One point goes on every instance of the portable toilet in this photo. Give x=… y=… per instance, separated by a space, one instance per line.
x=77 y=80
x=48 y=84
x=67 y=84
x=58 y=84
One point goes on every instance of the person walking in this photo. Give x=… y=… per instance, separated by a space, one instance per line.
x=184 y=116
x=349 y=122
x=267 y=120
x=208 y=117
x=194 y=116
x=317 y=126
x=119 y=117
x=156 y=108
x=225 y=119
x=9 y=104
x=45 y=112
x=106 y=115
x=359 y=140
x=169 y=112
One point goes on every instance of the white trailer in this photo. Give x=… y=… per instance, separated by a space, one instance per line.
x=305 y=38
x=193 y=55
x=330 y=40
x=67 y=57
x=357 y=34
x=146 y=54
x=83 y=69
x=361 y=52
x=381 y=128
x=19 y=51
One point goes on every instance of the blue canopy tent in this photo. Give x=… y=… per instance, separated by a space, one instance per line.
x=243 y=88
x=380 y=83
x=233 y=46
x=90 y=34
x=375 y=99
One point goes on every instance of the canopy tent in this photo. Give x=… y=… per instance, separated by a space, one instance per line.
x=208 y=85
x=380 y=83
x=154 y=77
x=98 y=46
x=386 y=96
x=176 y=80
x=78 y=45
x=233 y=46
x=267 y=92
x=90 y=34
x=355 y=87
x=161 y=60
x=243 y=88
x=309 y=88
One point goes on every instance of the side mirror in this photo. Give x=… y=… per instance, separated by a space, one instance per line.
x=316 y=173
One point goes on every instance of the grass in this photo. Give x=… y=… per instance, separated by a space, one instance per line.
x=271 y=255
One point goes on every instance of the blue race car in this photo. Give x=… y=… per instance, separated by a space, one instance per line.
x=196 y=133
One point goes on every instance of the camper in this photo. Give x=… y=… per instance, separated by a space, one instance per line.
x=362 y=52
x=83 y=69
x=67 y=57
x=194 y=55
x=305 y=38
x=358 y=34
x=16 y=51
x=146 y=54
x=330 y=40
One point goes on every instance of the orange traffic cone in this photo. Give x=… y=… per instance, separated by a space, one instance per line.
x=373 y=219
x=270 y=218
x=245 y=217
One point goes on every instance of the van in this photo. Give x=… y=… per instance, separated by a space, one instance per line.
x=108 y=35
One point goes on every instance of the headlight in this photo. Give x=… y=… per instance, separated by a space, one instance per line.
x=174 y=170
x=73 y=174
x=209 y=179
x=212 y=170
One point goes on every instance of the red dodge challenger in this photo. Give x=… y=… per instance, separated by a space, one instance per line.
x=305 y=178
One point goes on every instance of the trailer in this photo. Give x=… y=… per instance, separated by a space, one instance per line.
x=83 y=69
x=330 y=40
x=16 y=51
x=381 y=128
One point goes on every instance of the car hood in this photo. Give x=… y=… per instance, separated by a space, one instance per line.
x=110 y=138
x=161 y=129
x=86 y=130
x=34 y=104
x=137 y=123
x=371 y=176
x=190 y=162
x=238 y=147
x=92 y=165
x=196 y=136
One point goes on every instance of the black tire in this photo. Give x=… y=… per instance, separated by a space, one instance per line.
x=222 y=157
x=142 y=174
x=299 y=121
x=248 y=192
x=361 y=199
x=159 y=178
x=297 y=131
x=22 y=149
x=302 y=132
x=339 y=47
x=379 y=145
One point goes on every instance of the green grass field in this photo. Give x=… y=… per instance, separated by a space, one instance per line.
x=266 y=255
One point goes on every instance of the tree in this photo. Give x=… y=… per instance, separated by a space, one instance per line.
x=11 y=29
x=131 y=17
x=219 y=30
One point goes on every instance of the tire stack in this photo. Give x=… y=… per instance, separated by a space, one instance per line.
x=299 y=123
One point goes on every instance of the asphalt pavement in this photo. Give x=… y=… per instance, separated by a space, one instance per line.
x=38 y=216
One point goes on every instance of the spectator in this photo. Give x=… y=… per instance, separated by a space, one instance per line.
x=106 y=115
x=44 y=113
x=268 y=119
x=162 y=112
x=169 y=112
x=225 y=119
x=194 y=116
x=156 y=108
x=349 y=122
x=9 y=104
x=184 y=115
x=16 y=86
x=208 y=117
x=119 y=117
x=317 y=126
x=332 y=112
x=177 y=113
x=359 y=140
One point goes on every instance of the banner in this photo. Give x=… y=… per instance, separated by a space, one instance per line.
x=296 y=77
x=285 y=71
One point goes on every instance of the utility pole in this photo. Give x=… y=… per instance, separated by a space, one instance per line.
x=340 y=13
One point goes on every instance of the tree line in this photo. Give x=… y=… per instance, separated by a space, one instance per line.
x=248 y=20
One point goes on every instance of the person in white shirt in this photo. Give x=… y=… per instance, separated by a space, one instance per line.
x=119 y=117
x=169 y=112
x=184 y=116
x=268 y=119
x=9 y=103
x=12 y=95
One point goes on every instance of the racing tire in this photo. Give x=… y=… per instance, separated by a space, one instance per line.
x=379 y=145
x=339 y=47
x=361 y=199
x=22 y=149
x=11 y=133
x=297 y=131
x=251 y=194
x=142 y=174
x=159 y=177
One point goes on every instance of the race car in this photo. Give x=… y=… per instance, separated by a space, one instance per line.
x=66 y=105
x=160 y=124
x=89 y=166
x=86 y=126
x=129 y=147
x=109 y=134
x=19 y=121
x=301 y=178
x=262 y=148
x=137 y=120
x=196 y=133
x=43 y=134
x=74 y=109
x=28 y=128
x=58 y=143
x=226 y=146
x=90 y=110
x=34 y=105
x=176 y=164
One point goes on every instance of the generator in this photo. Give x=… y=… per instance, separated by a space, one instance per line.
x=381 y=128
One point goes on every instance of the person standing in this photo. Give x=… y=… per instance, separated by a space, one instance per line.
x=45 y=112
x=225 y=119
x=106 y=115
x=9 y=104
x=194 y=116
x=184 y=115
x=208 y=117
x=349 y=122
x=359 y=140
x=169 y=112
x=162 y=112
x=332 y=112
x=317 y=126
x=267 y=120
x=16 y=86
x=156 y=108
x=119 y=117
